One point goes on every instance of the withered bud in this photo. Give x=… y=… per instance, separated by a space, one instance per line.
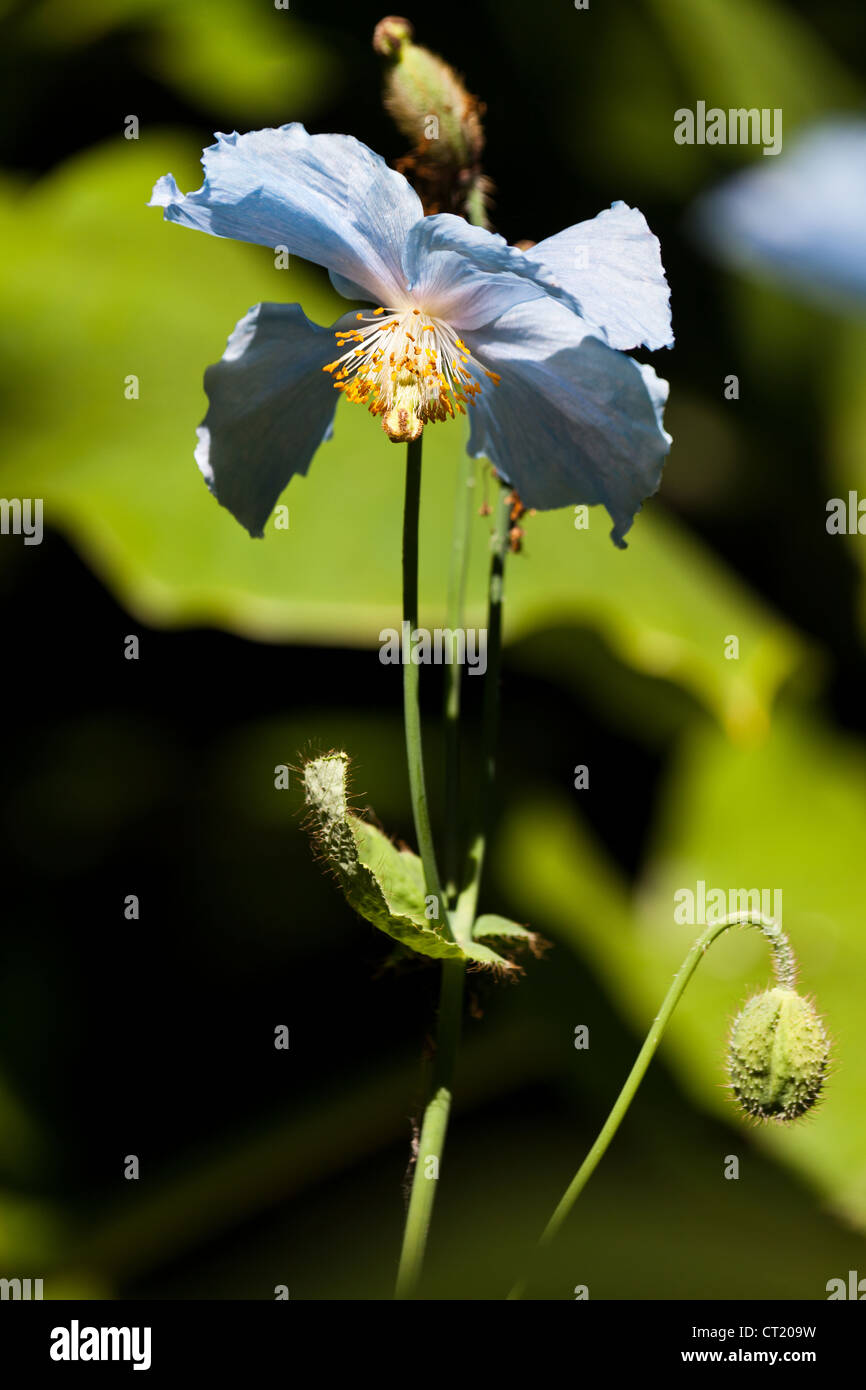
x=390 y=33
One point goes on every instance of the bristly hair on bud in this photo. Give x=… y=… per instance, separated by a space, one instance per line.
x=441 y=120
x=778 y=1055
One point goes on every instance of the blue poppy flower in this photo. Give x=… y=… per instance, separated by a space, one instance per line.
x=800 y=219
x=531 y=342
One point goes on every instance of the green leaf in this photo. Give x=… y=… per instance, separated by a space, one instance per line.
x=767 y=817
x=753 y=53
x=489 y=927
x=263 y=65
x=258 y=64
x=383 y=883
x=132 y=295
x=729 y=53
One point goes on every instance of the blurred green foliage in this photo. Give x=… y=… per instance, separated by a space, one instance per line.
x=153 y=533
x=736 y=820
x=235 y=50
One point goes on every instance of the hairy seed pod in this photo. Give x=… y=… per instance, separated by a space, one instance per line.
x=778 y=1055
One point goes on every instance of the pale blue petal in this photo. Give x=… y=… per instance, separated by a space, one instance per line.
x=350 y=290
x=572 y=421
x=327 y=198
x=469 y=276
x=613 y=266
x=799 y=216
x=271 y=406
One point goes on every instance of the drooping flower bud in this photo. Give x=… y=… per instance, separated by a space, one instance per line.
x=778 y=1055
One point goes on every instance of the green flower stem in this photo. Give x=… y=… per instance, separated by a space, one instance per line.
x=458 y=571
x=784 y=965
x=411 y=683
x=434 y=1126
x=464 y=913
x=435 y=1123
x=431 y=1141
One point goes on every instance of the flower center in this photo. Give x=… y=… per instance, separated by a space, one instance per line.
x=409 y=368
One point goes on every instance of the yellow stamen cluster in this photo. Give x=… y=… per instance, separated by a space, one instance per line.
x=408 y=379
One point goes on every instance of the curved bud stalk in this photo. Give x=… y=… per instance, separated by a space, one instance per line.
x=778 y=1057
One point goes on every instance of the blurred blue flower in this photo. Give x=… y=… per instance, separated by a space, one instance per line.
x=531 y=341
x=801 y=218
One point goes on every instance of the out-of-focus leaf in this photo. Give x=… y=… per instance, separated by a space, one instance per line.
x=753 y=53
x=261 y=63
x=789 y=815
x=130 y=295
x=55 y=22
x=256 y=62
x=667 y=610
x=22 y=1145
x=846 y=416
x=32 y=1232
x=618 y=73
